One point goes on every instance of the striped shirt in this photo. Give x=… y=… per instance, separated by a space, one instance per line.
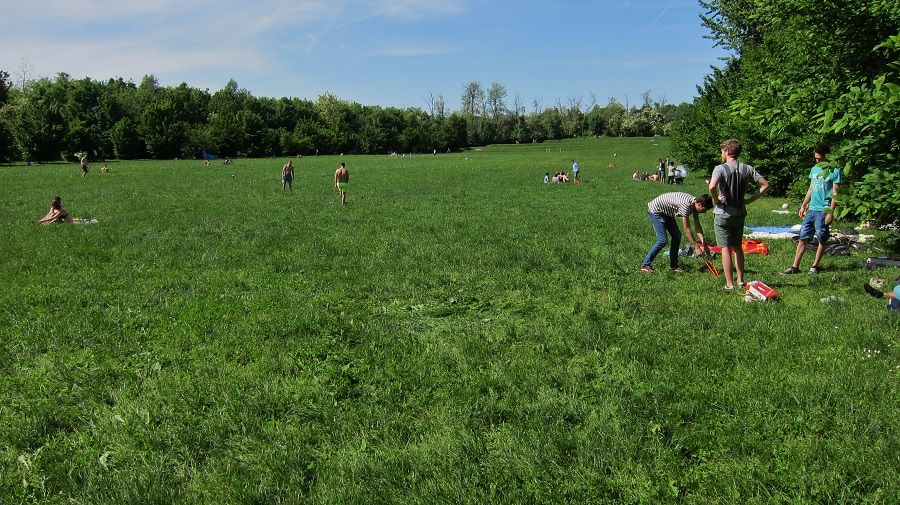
x=673 y=204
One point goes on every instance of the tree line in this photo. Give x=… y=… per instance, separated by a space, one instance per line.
x=805 y=72
x=51 y=118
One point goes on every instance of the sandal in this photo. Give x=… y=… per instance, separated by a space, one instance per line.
x=791 y=271
x=646 y=269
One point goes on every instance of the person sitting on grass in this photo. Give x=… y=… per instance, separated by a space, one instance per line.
x=57 y=213
x=662 y=211
x=104 y=169
x=893 y=297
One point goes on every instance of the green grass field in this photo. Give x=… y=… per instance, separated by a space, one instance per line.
x=458 y=333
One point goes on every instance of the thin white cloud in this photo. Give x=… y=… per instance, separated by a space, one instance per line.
x=79 y=11
x=182 y=40
x=663 y=13
x=417 y=9
x=412 y=51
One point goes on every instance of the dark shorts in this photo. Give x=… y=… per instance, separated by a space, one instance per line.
x=729 y=230
x=287 y=179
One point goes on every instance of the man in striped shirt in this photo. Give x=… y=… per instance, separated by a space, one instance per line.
x=662 y=212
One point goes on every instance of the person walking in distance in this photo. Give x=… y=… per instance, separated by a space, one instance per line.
x=341 y=181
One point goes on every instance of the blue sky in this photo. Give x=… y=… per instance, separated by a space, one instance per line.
x=375 y=52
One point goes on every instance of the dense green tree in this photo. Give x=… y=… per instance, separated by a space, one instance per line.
x=39 y=128
x=119 y=117
x=612 y=116
x=161 y=130
x=473 y=100
x=125 y=140
x=7 y=144
x=805 y=72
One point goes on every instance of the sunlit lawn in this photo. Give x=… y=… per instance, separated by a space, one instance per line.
x=459 y=332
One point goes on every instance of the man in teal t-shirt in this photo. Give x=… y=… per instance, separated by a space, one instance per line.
x=817 y=209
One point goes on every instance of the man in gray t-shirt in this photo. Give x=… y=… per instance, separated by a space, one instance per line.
x=728 y=186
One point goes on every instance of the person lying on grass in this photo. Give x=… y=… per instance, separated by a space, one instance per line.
x=893 y=297
x=57 y=213
x=662 y=211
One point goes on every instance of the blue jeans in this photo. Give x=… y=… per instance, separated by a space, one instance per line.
x=662 y=224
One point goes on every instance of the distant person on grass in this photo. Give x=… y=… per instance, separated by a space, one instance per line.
x=662 y=212
x=57 y=213
x=287 y=176
x=341 y=181
x=84 y=166
x=817 y=209
x=547 y=178
x=575 y=170
x=728 y=186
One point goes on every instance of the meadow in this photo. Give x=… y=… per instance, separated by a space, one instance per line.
x=459 y=332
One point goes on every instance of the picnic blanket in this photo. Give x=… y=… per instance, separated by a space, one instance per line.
x=772 y=232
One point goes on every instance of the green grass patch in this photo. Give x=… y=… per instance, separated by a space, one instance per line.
x=459 y=332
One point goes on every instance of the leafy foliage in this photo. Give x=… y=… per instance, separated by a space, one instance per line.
x=147 y=119
x=804 y=72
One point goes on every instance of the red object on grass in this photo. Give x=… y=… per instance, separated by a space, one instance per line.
x=760 y=291
x=749 y=247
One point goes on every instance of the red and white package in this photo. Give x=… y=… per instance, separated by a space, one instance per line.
x=760 y=291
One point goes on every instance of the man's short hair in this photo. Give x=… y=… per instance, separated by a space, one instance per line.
x=706 y=201
x=822 y=149
x=732 y=147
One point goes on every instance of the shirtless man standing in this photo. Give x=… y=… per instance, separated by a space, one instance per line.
x=287 y=176
x=84 y=165
x=341 y=180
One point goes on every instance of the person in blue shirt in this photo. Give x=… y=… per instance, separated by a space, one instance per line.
x=817 y=209
x=575 y=171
